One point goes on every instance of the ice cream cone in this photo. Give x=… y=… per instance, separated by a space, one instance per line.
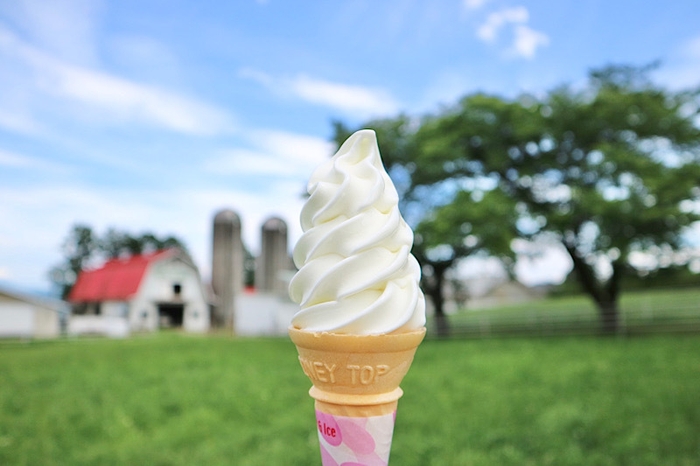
x=356 y=387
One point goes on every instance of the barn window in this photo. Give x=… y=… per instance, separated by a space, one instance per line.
x=177 y=288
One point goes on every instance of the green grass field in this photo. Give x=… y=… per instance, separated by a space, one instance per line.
x=172 y=399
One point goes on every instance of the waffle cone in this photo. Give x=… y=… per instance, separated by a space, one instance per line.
x=356 y=375
x=356 y=387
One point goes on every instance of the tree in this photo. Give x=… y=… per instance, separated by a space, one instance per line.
x=83 y=247
x=609 y=170
x=117 y=243
x=78 y=248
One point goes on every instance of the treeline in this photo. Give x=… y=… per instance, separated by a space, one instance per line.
x=83 y=247
x=662 y=278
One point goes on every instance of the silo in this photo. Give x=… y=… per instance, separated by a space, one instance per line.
x=227 y=266
x=274 y=258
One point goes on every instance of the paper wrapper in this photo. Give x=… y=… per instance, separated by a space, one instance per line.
x=356 y=387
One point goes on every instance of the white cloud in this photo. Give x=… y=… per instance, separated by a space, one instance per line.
x=132 y=101
x=143 y=55
x=244 y=162
x=297 y=148
x=527 y=41
x=17 y=123
x=256 y=75
x=346 y=97
x=114 y=97
x=10 y=159
x=474 y=4
x=496 y=20
x=274 y=153
x=349 y=98
x=66 y=28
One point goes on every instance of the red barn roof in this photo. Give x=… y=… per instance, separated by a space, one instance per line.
x=116 y=280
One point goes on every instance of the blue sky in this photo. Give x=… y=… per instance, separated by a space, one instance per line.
x=151 y=115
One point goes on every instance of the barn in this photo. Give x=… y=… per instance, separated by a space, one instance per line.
x=24 y=316
x=140 y=293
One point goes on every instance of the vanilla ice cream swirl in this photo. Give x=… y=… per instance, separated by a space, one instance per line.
x=356 y=271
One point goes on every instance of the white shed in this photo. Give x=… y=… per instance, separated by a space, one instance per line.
x=140 y=293
x=23 y=316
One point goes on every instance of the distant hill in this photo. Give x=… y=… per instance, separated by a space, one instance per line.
x=668 y=277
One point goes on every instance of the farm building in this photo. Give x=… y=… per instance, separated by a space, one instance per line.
x=23 y=316
x=140 y=293
x=506 y=293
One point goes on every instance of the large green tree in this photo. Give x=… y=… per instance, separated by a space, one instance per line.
x=83 y=247
x=607 y=170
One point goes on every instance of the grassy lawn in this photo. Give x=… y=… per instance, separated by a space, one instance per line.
x=176 y=400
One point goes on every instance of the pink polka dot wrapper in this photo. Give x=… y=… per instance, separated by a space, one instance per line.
x=357 y=441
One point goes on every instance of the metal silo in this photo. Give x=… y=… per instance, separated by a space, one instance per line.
x=274 y=257
x=227 y=267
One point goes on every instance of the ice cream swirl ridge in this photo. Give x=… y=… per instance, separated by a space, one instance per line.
x=356 y=271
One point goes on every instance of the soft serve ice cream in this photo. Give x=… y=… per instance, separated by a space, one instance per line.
x=356 y=275
x=362 y=312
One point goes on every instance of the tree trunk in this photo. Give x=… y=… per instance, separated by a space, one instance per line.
x=435 y=291
x=603 y=294
x=609 y=312
x=609 y=317
x=442 y=325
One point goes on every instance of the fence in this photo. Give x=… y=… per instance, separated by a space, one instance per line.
x=667 y=311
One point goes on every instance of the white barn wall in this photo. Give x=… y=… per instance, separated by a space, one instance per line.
x=46 y=323
x=16 y=319
x=143 y=315
x=114 y=308
x=157 y=287
x=20 y=318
